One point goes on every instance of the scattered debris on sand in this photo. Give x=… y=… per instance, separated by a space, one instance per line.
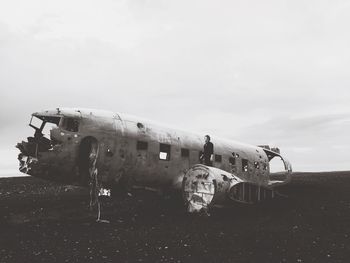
x=41 y=221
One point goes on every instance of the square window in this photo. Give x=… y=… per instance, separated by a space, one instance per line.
x=218 y=158
x=185 y=152
x=70 y=124
x=164 y=151
x=232 y=160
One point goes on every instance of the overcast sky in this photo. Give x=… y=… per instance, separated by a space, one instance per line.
x=260 y=72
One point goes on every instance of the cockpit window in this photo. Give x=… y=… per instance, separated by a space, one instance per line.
x=43 y=125
x=70 y=124
x=36 y=123
x=47 y=129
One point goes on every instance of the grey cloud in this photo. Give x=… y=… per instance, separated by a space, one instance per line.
x=233 y=68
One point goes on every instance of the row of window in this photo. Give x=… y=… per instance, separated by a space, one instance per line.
x=164 y=154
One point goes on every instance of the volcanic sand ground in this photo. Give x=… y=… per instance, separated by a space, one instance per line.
x=42 y=221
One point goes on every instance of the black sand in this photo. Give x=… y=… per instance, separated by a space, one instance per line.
x=44 y=222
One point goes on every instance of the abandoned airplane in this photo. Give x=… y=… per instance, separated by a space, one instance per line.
x=73 y=145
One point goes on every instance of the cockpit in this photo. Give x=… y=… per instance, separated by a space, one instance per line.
x=49 y=128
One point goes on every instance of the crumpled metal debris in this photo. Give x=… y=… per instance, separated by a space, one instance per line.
x=25 y=163
x=201 y=197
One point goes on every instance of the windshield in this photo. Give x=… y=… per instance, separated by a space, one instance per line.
x=44 y=125
x=35 y=122
x=47 y=128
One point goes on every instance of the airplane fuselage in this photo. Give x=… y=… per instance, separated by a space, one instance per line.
x=131 y=151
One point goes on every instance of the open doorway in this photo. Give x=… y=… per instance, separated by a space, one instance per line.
x=88 y=154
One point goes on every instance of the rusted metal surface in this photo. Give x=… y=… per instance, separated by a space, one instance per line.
x=134 y=152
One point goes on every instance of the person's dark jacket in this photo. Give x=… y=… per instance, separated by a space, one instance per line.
x=208 y=151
